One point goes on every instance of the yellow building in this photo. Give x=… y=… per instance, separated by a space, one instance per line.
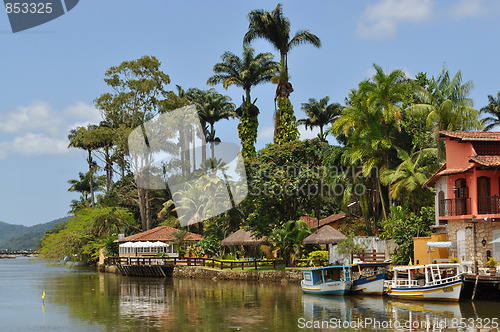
x=421 y=250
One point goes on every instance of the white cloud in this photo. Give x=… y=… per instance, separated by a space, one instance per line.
x=381 y=20
x=41 y=129
x=37 y=144
x=37 y=115
x=84 y=111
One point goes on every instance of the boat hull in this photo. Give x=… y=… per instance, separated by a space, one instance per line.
x=449 y=291
x=339 y=288
x=373 y=285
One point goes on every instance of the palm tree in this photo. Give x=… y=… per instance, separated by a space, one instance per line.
x=368 y=143
x=493 y=109
x=212 y=107
x=446 y=104
x=410 y=175
x=387 y=91
x=320 y=114
x=82 y=138
x=245 y=72
x=275 y=28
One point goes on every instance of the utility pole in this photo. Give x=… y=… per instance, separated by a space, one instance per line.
x=474 y=222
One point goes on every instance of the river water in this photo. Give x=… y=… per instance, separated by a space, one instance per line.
x=84 y=300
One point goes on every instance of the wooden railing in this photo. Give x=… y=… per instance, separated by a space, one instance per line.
x=195 y=261
x=488 y=204
x=370 y=256
x=454 y=207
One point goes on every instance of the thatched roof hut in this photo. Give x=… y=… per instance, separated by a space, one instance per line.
x=242 y=238
x=324 y=235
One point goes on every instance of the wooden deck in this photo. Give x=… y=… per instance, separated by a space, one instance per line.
x=487 y=288
x=154 y=266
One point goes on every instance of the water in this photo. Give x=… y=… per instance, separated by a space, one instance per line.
x=84 y=300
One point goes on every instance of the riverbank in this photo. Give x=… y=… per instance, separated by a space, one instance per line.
x=198 y=272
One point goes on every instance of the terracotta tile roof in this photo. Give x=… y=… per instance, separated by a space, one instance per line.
x=331 y=219
x=310 y=221
x=472 y=135
x=433 y=179
x=488 y=161
x=459 y=170
x=162 y=233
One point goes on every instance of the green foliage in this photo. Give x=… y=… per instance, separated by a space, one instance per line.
x=284 y=184
x=348 y=246
x=286 y=242
x=209 y=246
x=319 y=257
x=492 y=262
x=85 y=234
x=111 y=247
x=493 y=112
x=247 y=132
x=402 y=226
x=287 y=130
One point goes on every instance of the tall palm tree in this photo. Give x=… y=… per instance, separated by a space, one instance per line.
x=493 y=109
x=320 y=114
x=82 y=138
x=446 y=104
x=212 y=107
x=248 y=71
x=387 y=91
x=275 y=28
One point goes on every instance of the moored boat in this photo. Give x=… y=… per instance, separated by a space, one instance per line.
x=368 y=278
x=331 y=280
x=426 y=282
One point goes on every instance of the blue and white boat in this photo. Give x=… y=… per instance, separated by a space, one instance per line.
x=328 y=280
x=368 y=278
x=426 y=282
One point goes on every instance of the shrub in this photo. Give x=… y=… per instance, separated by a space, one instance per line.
x=318 y=257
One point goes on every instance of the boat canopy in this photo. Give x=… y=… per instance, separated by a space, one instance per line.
x=445 y=244
x=497 y=240
x=415 y=267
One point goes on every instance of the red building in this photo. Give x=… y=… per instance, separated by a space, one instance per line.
x=467 y=193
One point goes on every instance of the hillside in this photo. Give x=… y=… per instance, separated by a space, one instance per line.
x=17 y=237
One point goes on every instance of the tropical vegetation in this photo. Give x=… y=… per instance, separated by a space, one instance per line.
x=370 y=159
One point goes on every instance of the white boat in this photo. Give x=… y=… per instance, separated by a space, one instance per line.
x=426 y=282
x=331 y=280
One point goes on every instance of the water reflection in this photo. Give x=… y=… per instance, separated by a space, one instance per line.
x=84 y=300
x=381 y=313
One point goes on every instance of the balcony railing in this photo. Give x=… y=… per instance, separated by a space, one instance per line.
x=488 y=204
x=454 y=207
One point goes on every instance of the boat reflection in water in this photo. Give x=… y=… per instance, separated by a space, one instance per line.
x=364 y=312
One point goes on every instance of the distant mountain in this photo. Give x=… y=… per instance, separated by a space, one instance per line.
x=17 y=237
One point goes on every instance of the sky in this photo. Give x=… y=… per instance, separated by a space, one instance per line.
x=51 y=74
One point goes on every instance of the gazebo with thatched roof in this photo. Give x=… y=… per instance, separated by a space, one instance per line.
x=324 y=235
x=242 y=238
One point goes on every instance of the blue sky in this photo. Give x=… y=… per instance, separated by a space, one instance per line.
x=52 y=73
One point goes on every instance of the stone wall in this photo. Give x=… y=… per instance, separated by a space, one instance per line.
x=483 y=231
x=290 y=275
